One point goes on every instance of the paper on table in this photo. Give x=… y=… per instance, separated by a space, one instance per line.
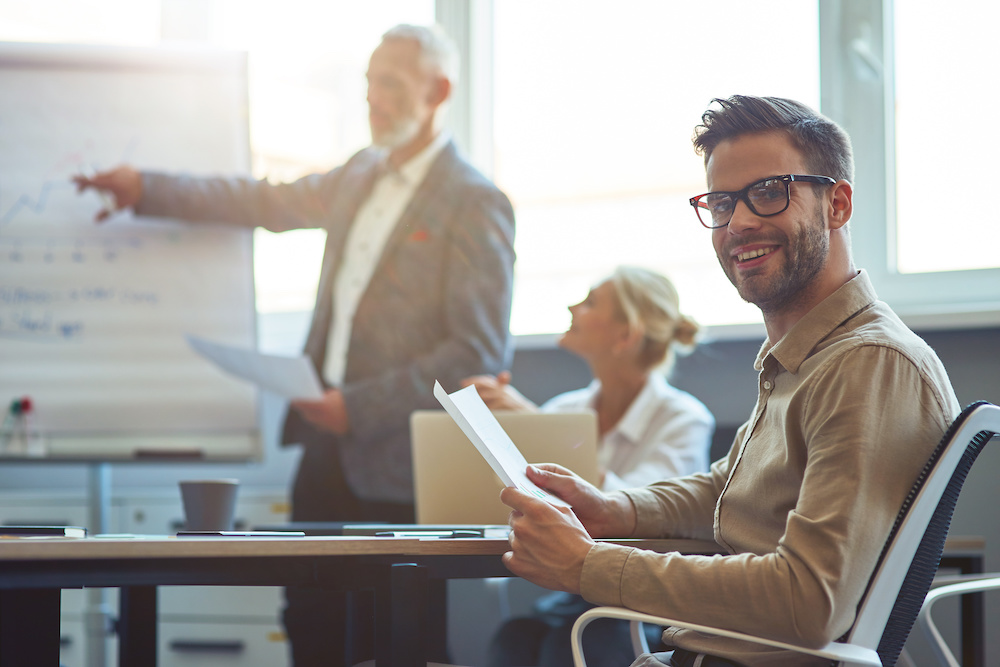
x=466 y=407
x=291 y=377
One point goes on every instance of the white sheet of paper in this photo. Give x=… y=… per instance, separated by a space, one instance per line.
x=291 y=377
x=466 y=407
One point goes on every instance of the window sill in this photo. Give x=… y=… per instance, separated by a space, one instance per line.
x=961 y=317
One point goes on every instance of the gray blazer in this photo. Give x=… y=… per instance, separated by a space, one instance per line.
x=437 y=306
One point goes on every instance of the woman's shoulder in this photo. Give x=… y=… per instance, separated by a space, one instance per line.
x=575 y=399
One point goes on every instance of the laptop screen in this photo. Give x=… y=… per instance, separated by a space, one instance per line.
x=453 y=484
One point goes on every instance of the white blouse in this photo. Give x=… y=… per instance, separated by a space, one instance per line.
x=665 y=433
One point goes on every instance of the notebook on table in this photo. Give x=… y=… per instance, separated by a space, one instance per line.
x=453 y=483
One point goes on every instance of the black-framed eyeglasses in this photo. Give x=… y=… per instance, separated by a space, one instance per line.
x=768 y=196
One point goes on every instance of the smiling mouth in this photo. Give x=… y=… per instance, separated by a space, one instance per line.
x=753 y=254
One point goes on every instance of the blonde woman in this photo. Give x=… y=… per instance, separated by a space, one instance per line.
x=627 y=330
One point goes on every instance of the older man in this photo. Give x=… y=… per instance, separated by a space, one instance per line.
x=416 y=286
x=850 y=404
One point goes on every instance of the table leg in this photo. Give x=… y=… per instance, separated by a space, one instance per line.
x=437 y=621
x=29 y=627
x=974 y=621
x=401 y=617
x=137 y=626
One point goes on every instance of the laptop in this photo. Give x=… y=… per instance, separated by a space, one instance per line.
x=454 y=485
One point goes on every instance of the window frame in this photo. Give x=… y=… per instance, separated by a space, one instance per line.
x=856 y=90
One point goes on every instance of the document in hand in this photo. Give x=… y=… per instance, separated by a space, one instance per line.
x=291 y=377
x=477 y=422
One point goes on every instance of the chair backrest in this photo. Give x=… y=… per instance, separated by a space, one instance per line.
x=913 y=549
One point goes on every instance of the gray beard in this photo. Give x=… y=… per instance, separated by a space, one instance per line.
x=400 y=135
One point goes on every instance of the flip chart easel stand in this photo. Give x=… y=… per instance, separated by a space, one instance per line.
x=97 y=613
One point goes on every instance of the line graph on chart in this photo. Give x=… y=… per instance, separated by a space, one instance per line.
x=44 y=192
x=45 y=221
x=32 y=204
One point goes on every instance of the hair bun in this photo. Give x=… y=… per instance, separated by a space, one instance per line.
x=686 y=332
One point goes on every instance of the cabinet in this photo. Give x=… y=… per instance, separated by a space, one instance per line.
x=253 y=642
x=198 y=625
x=213 y=625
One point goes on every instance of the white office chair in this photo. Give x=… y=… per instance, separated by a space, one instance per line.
x=903 y=573
x=951 y=586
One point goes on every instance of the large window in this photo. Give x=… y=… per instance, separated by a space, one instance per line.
x=947 y=138
x=593 y=117
x=905 y=80
x=583 y=113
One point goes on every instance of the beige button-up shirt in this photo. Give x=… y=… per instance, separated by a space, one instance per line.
x=850 y=405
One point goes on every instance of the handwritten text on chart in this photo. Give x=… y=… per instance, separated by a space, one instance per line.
x=24 y=324
x=27 y=312
x=24 y=296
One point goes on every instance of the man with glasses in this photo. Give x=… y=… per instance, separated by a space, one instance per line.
x=850 y=405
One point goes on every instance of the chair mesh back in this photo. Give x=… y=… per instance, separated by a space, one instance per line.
x=928 y=554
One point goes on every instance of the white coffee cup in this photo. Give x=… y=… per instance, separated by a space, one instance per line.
x=209 y=504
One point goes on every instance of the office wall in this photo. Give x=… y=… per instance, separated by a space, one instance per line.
x=720 y=374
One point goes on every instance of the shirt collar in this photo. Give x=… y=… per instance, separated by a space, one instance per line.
x=415 y=169
x=634 y=422
x=795 y=346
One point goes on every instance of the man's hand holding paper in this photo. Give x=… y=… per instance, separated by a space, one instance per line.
x=554 y=513
x=548 y=544
x=602 y=514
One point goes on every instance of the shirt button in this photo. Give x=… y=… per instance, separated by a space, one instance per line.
x=767 y=385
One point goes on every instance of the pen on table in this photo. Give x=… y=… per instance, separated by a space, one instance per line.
x=430 y=533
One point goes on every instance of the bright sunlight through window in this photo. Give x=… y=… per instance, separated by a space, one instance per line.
x=594 y=115
x=947 y=139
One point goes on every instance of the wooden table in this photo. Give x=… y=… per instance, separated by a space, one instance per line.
x=404 y=573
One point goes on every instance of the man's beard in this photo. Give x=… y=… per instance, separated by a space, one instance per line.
x=805 y=257
x=401 y=133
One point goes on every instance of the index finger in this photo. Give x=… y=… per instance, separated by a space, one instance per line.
x=518 y=500
x=553 y=467
x=81 y=182
x=526 y=503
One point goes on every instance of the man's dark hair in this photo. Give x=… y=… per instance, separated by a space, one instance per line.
x=823 y=143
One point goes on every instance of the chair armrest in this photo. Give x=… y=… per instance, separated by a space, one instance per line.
x=847 y=654
x=957 y=585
